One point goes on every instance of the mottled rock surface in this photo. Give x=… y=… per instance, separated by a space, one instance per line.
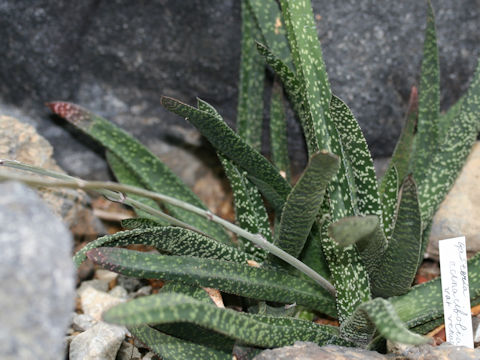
x=101 y=342
x=128 y=351
x=21 y=142
x=37 y=275
x=459 y=213
x=310 y=351
x=117 y=58
x=95 y=302
x=442 y=352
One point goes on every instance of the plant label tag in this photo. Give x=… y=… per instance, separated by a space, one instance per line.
x=455 y=291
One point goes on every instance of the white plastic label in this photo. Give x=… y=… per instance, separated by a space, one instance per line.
x=455 y=291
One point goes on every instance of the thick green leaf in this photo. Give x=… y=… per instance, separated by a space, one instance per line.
x=149 y=170
x=397 y=271
x=312 y=254
x=173 y=240
x=259 y=170
x=193 y=291
x=372 y=249
x=424 y=303
x=126 y=176
x=304 y=202
x=315 y=97
x=426 y=140
x=404 y=148
x=272 y=28
x=139 y=223
x=356 y=152
x=352 y=230
x=380 y=313
x=285 y=73
x=445 y=120
x=367 y=235
x=389 y=199
x=344 y=271
x=278 y=131
x=263 y=331
x=309 y=65
x=250 y=213
x=172 y=348
x=190 y=332
x=450 y=157
x=427 y=228
x=349 y=276
x=250 y=88
x=227 y=276
x=295 y=93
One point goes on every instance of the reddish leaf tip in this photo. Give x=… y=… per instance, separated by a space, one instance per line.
x=60 y=108
x=71 y=112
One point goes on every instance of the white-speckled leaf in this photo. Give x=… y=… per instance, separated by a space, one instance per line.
x=356 y=153
x=426 y=139
x=389 y=200
x=379 y=314
x=450 y=157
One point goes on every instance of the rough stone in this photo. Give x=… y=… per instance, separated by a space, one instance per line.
x=37 y=275
x=442 y=352
x=119 y=292
x=128 y=351
x=106 y=275
x=20 y=141
x=150 y=356
x=476 y=330
x=95 y=302
x=128 y=283
x=97 y=284
x=143 y=291
x=82 y=322
x=311 y=351
x=459 y=213
x=100 y=342
x=118 y=58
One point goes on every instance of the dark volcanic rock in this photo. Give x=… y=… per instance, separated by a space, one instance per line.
x=117 y=57
x=373 y=52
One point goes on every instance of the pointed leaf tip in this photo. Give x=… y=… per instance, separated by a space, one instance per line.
x=71 y=112
x=168 y=102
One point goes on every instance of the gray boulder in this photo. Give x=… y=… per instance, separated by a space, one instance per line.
x=117 y=58
x=37 y=277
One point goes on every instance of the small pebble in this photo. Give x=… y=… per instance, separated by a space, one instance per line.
x=143 y=291
x=82 y=322
x=105 y=275
x=476 y=329
x=128 y=352
x=101 y=342
x=95 y=302
x=119 y=291
x=150 y=356
x=97 y=284
x=129 y=284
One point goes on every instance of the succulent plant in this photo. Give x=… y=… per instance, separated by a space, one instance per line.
x=342 y=245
